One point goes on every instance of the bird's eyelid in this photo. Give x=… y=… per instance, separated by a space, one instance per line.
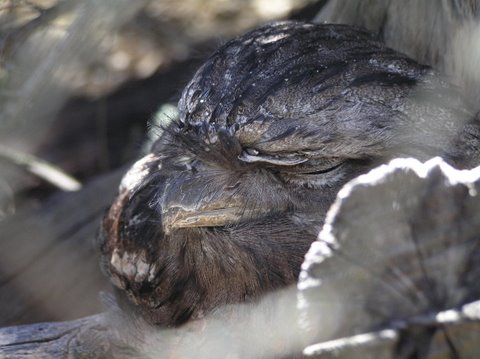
x=290 y=160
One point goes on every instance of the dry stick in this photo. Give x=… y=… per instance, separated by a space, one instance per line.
x=42 y=169
x=468 y=316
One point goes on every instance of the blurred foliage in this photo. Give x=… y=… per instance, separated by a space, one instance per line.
x=69 y=69
x=159 y=32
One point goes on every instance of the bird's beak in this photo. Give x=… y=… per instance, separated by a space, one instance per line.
x=191 y=203
x=178 y=217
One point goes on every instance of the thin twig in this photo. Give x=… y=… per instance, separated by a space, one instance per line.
x=42 y=169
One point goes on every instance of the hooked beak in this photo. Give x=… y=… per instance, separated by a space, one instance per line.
x=177 y=217
x=189 y=203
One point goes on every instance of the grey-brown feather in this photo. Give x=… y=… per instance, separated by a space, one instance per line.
x=278 y=120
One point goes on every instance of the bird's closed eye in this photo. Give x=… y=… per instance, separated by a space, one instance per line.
x=314 y=173
x=316 y=166
x=296 y=168
x=252 y=156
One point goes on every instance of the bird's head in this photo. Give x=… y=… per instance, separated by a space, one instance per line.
x=234 y=191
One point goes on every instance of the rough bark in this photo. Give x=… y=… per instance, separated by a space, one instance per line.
x=83 y=338
x=401 y=242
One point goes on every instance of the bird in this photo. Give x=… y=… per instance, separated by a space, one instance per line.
x=233 y=192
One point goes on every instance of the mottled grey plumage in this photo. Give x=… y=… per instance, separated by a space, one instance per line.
x=270 y=128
